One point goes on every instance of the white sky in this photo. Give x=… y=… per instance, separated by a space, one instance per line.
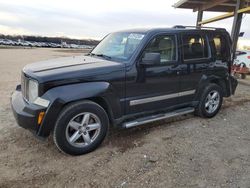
x=95 y=18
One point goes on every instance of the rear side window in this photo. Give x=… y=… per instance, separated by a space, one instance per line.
x=221 y=50
x=195 y=46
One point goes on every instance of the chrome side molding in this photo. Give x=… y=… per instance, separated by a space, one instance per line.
x=161 y=97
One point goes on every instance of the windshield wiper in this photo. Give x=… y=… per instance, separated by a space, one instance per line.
x=100 y=55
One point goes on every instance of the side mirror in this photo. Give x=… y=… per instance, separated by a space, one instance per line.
x=151 y=59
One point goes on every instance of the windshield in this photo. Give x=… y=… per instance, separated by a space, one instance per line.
x=118 y=46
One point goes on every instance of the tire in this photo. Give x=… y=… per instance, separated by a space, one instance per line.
x=205 y=110
x=80 y=128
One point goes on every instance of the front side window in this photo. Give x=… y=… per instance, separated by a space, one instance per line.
x=118 y=46
x=194 y=46
x=165 y=45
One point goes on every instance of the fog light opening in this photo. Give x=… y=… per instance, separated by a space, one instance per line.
x=40 y=117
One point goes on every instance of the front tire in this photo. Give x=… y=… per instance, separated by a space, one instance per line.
x=210 y=101
x=80 y=128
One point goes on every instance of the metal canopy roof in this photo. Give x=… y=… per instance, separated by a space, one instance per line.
x=210 y=5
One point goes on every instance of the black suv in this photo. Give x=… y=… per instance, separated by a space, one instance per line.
x=130 y=78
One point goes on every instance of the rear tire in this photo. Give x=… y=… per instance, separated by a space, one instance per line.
x=80 y=128
x=210 y=101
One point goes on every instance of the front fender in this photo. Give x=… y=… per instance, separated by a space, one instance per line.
x=61 y=95
x=74 y=92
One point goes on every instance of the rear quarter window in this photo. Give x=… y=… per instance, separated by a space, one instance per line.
x=221 y=47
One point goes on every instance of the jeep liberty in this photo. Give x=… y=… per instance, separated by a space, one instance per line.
x=130 y=78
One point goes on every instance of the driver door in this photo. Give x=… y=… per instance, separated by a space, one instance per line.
x=155 y=87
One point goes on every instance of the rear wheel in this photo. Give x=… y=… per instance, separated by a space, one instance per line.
x=210 y=101
x=81 y=127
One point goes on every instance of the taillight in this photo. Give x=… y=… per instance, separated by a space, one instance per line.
x=248 y=57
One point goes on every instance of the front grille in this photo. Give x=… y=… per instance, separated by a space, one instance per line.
x=24 y=86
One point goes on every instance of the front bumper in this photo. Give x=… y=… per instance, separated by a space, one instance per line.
x=25 y=114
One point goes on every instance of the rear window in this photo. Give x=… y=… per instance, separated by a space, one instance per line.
x=195 y=46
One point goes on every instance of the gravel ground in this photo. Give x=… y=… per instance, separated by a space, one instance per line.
x=182 y=152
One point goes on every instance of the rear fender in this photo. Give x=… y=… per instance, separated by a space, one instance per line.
x=224 y=83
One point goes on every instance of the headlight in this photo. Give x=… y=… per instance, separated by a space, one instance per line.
x=33 y=90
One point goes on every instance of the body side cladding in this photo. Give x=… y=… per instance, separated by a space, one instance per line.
x=223 y=82
x=106 y=105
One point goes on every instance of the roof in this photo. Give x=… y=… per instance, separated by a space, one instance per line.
x=209 y=5
x=174 y=28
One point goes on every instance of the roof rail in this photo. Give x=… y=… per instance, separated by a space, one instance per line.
x=198 y=27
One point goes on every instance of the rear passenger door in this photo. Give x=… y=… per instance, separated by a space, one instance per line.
x=196 y=55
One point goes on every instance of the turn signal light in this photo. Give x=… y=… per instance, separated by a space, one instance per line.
x=40 y=117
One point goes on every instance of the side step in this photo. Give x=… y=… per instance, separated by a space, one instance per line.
x=157 y=117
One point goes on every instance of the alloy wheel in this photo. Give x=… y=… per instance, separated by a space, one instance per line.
x=83 y=129
x=212 y=101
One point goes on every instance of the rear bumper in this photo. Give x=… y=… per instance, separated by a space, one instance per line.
x=25 y=114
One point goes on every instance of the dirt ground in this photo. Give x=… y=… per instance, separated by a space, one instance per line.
x=183 y=152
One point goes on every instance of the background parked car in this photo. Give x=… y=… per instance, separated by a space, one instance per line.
x=243 y=62
x=25 y=43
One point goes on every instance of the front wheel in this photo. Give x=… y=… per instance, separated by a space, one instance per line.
x=81 y=127
x=210 y=101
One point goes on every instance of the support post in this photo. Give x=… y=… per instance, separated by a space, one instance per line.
x=199 y=18
x=236 y=25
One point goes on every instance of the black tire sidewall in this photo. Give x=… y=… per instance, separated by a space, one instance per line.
x=67 y=114
x=201 y=107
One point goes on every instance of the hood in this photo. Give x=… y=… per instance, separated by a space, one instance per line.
x=76 y=67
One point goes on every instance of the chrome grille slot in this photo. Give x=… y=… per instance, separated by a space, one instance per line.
x=24 y=86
